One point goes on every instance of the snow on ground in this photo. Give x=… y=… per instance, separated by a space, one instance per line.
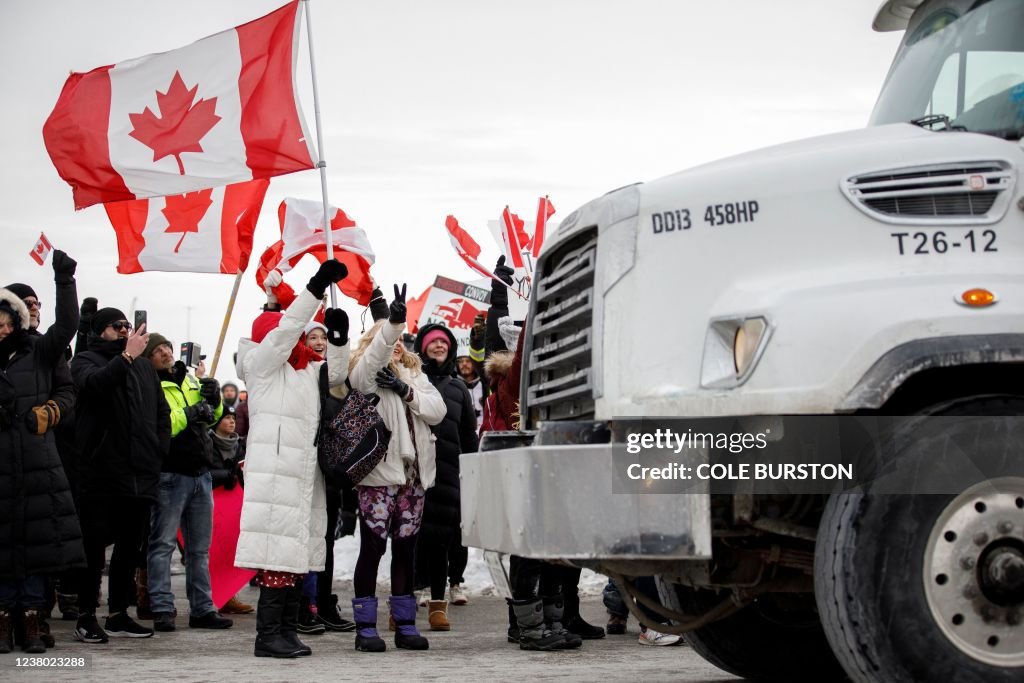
x=478 y=577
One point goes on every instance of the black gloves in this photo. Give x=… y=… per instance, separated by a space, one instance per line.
x=63 y=268
x=386 y=379
x=396 y=311
x=200 y=412
x=336 y=322
x=330 y=271
x=378 y=305
x=178 y=372
x=209 y=389
x=503 y=272
x=499 y=287
x=89 y=307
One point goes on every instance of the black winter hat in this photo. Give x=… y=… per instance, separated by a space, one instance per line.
x=21 y=290
x=228 y=410
x=104 y=317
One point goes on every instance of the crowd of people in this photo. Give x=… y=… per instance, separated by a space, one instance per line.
x=119 y=444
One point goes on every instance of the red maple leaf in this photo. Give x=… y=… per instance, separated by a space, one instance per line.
x=181 y=126
x=184 y=211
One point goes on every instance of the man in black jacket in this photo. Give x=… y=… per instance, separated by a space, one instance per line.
x=186 y=492
x=124 y=431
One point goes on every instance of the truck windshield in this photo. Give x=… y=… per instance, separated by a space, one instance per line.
x=961 y=60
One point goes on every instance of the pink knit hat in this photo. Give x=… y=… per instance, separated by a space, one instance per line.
x=435 y=334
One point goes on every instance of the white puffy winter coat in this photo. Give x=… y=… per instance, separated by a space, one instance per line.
x=284 y=513
x=427 y=406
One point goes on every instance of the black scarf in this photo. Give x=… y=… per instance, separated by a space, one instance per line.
x=107 y=347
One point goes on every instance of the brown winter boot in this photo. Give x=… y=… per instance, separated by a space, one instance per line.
x=236 y=606
x=437 y=615
x=6 y=632
x=33 y=643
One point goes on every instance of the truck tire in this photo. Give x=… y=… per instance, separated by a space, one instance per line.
x=777 y=638
x=930 y=587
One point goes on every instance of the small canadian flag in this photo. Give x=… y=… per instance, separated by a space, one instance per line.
x=42 y=249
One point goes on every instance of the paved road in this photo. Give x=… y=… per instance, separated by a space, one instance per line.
x=475 y=650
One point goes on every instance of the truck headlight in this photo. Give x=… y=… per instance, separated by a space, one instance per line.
x=732 y=348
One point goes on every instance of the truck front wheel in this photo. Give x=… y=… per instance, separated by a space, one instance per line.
x=778 y=637
x=930 y=587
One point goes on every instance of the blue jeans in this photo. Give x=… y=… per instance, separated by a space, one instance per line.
x=26 y=593
x=186 y=502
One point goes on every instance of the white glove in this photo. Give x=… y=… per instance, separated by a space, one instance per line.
x=273 y=279
x=509 y=332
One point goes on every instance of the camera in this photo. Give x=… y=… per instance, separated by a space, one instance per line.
x=191 y=354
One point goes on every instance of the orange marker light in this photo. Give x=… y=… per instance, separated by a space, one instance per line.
x=977 y=298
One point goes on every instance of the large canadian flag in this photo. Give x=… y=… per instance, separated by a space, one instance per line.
x=206 y=231
x=302 y=232
x=221 y=110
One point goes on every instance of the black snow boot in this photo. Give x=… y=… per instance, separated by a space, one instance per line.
x=513 y=625
x=532 y=633
x=269 y=617
x=290 y=622
x=574 y=623
x=553 y=611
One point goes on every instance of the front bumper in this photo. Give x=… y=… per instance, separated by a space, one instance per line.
x=556 y=502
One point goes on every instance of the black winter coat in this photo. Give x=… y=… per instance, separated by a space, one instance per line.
x=123 y=425
x=456 y=434
x=39 y=529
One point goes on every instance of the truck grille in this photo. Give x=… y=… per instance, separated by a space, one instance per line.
x=942 y=194
x=559 y=380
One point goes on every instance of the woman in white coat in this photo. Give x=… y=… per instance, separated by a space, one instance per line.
x=391 y=496
x=284 y=518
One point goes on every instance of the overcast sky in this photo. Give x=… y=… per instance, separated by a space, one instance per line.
x=447 y=106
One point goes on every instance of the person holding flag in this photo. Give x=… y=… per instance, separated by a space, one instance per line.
x=284 y=519
x=40 y=533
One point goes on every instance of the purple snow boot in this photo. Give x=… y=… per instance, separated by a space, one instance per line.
x=403 y=610
x=364 y=612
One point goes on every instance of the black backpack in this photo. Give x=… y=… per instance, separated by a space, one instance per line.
x=352 y=439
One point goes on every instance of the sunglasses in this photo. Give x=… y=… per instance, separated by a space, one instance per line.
x=33 y=304
x=121 y=325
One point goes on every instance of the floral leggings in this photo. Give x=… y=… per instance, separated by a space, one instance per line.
x=395 y=511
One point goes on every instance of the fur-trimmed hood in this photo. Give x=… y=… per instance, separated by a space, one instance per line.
x=498 y=364
x=11 y=299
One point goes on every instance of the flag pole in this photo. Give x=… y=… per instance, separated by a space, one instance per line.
x=224 y=327
x=322 y=164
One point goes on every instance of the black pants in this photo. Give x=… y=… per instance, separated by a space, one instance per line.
x=325 y=579
x=432 y=551
x=123 y=522
x=458 y=558
x=531 y=578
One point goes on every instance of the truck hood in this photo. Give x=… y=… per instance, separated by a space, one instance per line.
x=876 y=141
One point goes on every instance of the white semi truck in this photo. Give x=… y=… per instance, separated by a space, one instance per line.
x=872 y=272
